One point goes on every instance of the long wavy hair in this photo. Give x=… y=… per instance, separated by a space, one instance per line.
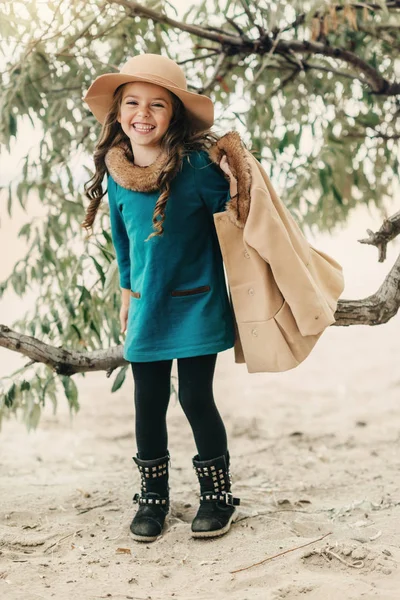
x=178 y=141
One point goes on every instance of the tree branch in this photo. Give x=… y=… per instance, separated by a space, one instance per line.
x=384 y=304
x=373 y=310
x=216 y=74
x=136 y=9
x=241 y=44
x=377 y=83
x=389 y=230
x=62 y=361
x=376 y=309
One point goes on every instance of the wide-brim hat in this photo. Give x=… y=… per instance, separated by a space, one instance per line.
x=150 y=68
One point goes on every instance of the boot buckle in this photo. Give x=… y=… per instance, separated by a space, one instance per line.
x=230 y=500
x=225 y=497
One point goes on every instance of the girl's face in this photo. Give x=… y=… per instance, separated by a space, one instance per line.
x=145 y=113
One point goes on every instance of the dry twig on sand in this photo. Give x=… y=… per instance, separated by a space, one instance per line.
x=281 y=553
x=62 y=539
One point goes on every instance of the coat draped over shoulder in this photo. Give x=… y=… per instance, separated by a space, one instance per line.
x=284 y=292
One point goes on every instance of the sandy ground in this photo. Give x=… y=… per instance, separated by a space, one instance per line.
x=315 y=451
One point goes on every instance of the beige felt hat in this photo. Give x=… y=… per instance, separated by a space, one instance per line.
x=151 y=68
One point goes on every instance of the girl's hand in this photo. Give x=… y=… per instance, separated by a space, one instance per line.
x=123 y=317
x=224 y=165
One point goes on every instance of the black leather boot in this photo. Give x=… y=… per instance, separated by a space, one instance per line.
x=153 y=500
x=217 y=505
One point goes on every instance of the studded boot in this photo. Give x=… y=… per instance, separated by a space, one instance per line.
x=217 y=505
x=153 y=500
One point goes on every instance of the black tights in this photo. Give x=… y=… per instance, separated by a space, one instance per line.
x=152 y=394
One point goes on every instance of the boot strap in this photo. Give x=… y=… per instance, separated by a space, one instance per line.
x=152 y=472
x=138 y=499
x=225 y=497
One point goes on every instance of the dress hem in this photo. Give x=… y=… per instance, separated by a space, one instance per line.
x=186 y=353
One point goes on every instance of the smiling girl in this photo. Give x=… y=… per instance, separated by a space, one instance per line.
x=174 y=300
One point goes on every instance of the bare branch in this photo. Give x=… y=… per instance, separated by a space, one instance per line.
x=216 y=74
x=63 y=362
x=308 y=66
x=252 y=18
x=376 y=309
x=194 y=58
x=139 y=10
x=395 y=4
x=240 y=44
x=378 y=84
x=373 y=310
x=389 y=230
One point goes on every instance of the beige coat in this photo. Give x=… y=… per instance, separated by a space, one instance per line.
x=283 y=291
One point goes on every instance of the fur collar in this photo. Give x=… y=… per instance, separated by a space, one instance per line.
x=120 y=165
x=232 y=145
x=119 y=162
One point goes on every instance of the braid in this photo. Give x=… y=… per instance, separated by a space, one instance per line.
x=91 y=212
x=171 y=168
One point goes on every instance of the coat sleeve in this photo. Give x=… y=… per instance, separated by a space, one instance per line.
x=310 y=282
x=119 y=236
x=211 y=183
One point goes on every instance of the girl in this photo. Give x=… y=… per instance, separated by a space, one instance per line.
x=163 y=191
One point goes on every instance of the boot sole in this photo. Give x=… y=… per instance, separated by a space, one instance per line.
x=144 y=538
x=217 y=532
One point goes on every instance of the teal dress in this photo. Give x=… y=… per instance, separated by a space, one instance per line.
x=179 y=306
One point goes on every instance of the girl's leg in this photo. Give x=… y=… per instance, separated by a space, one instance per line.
x=217 y=510
x=152 y=392
x=196 y=397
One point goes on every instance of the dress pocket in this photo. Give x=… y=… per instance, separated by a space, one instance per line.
x=198 y=290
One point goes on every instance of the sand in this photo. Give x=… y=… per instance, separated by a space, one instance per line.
x=315 y=451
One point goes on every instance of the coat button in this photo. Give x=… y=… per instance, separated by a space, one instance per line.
x=246 y=254
x=251 y=291
x=254 y=332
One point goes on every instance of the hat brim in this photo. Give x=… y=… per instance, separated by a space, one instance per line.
x=99 y=97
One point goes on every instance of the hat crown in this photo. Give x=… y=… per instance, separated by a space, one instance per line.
x=156 y=69
x=160 y=67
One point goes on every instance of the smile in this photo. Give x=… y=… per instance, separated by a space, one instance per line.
x=143 y=128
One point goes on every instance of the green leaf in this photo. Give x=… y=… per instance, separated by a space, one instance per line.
x=48 y=254
x=337 y=195
x=78 y=333
x=324 y=181
x=9 y=202
x=120 y=378
x=111 y=280
x=85 y=294
x=99 y=270
x=10 y=396
x=283 y=143
x=93 y=327
x=71 y=392
x=107 y=236
x=69 y=305
x=25 y=385
x=12 y=125
x=25 y=230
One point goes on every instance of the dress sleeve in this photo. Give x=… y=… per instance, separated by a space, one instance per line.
x=211 y=183
x=119 y=236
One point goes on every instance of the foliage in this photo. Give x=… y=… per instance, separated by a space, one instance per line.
x=327 y=141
